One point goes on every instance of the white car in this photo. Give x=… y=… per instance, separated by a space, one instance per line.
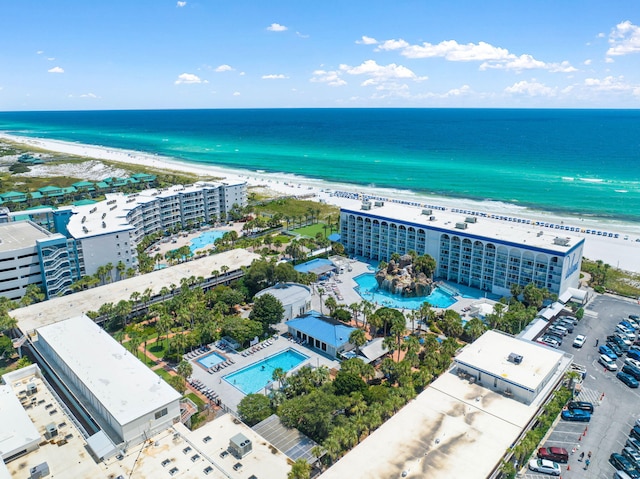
x=607 y=362
x=632 y=362
x=544 y=466
x=579 y=341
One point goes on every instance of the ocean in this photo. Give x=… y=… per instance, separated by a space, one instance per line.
x=578 y=163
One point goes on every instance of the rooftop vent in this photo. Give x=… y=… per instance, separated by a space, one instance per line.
x=470 y=219
x=461 y=226
x=366 y=205
x=427 y=211
x=379 y=203
x=561 y=241
x=514 y=358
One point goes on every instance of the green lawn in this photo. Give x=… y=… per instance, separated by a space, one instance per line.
x=312 y=230
x=197 y=400
x=163 y=374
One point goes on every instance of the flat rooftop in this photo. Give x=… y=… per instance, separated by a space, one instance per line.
x=121 y=382
x=17 y=428
x=287 y=293
x=110 y=215
x=183 y=449
x=452 y=429
x=517 y=233
x=490 y=351
x=20 y=234
x=57 y=309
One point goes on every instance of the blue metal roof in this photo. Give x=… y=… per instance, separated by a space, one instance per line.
x=317 y=266
x=323 y=328
x=334 y=237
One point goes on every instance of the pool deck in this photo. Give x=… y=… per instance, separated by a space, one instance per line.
x=231 y=396
x=184 y=239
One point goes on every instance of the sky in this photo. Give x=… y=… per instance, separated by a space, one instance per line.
x=158 y=54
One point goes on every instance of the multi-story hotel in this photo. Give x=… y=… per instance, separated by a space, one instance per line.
x=469 y=248
x=93 y=235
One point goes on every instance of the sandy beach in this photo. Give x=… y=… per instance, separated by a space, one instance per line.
x=620 y=253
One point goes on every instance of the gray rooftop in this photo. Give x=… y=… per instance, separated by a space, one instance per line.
x=288 y=293
x=121 y=382
x=20 y=234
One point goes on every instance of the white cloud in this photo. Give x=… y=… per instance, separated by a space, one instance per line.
x=224 y=68
x=56 y=70
x=380 y=73
x=51 y=59
x=587 y=62
x=610 y=84
x=331 y=78
x=189 y=78
x=181 y=4
x=236 y=93
x=276 y=27
x=624 y=39
x=278 y=76
x=601 y=35
x=302 y=35
x=365 y=40
x=89 y=95
x=609 y=60
x=491 y=56
x=242 y=74
x=531 y=88
x=39 y=52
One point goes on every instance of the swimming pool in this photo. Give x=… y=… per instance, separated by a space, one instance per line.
x=210 y=359
x=205 y=239
x=256 y=376
x=368 y=289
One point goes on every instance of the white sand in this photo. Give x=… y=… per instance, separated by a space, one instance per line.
x=619 y=253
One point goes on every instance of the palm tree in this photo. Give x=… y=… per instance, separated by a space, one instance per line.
x=300 y=469
x=184 y=369
x=355 y=309
x=279 y=375
x=358 y=338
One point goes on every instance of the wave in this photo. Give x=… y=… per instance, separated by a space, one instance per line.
x=592 y=180
x=568 y=178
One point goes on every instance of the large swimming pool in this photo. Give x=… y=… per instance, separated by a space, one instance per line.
x=210 y=359
x=256 y=376
x=368 y=289
x=205 y=239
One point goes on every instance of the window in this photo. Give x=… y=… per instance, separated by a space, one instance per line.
x=162 y=412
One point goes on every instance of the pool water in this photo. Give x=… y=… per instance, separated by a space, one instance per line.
x=256 y=376
x=210 y=359
x=368 y=289
x=205 y=239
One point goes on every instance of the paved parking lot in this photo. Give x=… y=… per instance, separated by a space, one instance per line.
x=616 y=406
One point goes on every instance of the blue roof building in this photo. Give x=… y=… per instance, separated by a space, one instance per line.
x=321 y=332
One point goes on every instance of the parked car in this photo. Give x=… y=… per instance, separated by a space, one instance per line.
x=626 y=331
x=634 y=443
x=545 y=467
x=628 y=379
x=632 y=362
x=632 y=454
x=621 y=343
x=584 y=405
x=633 y=354
x=607 y=362
x=635 y=432
x=565 y=324
x=620 y=462
x=607 y=352
x=558 y=330
x=554 y=454
x=635 y=317
x=614 y=347
x=579 y=341
x=634 y=323
x=631 y=371
x=577 y=415
x=553 y=336
x=548 y=341
x=623 y=338
x=627 y=325
x=572 y=319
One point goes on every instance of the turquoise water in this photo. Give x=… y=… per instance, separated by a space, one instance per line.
x=205 y=239
x=577 y=162
x=368 y=289
x=256 y=376
x=210 y=359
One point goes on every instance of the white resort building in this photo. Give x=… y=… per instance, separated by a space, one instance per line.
x=90 y=236
x=470 y=250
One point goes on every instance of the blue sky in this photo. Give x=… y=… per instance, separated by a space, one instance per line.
x=145 y=54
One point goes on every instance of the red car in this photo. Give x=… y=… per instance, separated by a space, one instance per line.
x=555 y=454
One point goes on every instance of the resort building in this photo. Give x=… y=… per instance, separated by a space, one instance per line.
x=469 y=249
x=128 y=400
x=295 y=298
x=322 y=333
x=460 y=426
x=93 y=235
x=29 y=255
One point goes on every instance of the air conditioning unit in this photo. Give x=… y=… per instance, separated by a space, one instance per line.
x=515 y=358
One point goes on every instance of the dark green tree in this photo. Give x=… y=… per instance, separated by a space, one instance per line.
x=254 y=408
x=267 y=309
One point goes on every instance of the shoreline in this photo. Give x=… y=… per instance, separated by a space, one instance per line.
x=619 y=253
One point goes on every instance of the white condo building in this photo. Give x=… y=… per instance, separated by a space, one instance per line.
x=471 y=250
